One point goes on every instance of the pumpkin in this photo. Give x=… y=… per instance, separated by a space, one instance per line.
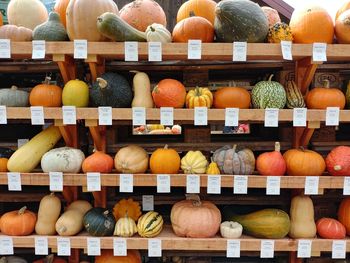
x=129 y=207
x=13 y=97
x=271 y=14
x=195 y=218
x=60 y=8
x=150 y=224
x=16 y=33
x=75 y=93
x=125 y=227
x=202 y=8
x=232 y=162
x=164 y=161
x=142 y=91
x=142 y=13
x=1 y=20
x=46 y=95
x=342 y=28
x=81 y=17
x=131 y=159
x=158 y=33
x=169 y=93
x=199 y=97
x=295 y=98
x=231 y=97
x=50 y=259
x=342 y=9
x=302 y=222
x=231 y=230
x=3 y=164
x=271 y=163
x=48 y=214
x=343 y=214
x=12 y=259
x=99 y=222
x=63 y=159
x=98 y=162
x=213 y=168
x=107 y=256
x=51 y=30
x=306 y=23
x=18 y=223
x=338 y=161
x=26 y=13
x=194 y=162
x=278 y=32
x=330 y=228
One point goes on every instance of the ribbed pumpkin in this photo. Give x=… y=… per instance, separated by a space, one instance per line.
x=75 y=93
x=3 y=164
x=344 y=214
x=131 y=159
x=202 y=8
x=272 y=15
x=271 y=163
x=46 y=95
x=338 y=161
x=294 y=96
x=150 y=224
x=164 y=161
x=342 y=28
x=129 y=207
x=99 y=222
x=51 y=30
x=158 y=33
x=194 y=162
x=199 y=97
x=133 y=256
x=61 y=8
x=98 y=162
x=18 y=223
x=169 y=93
x=16 y=33
x=342 y=9
x=232 y=97
x=125 y=227
x=278 y=32
x=330 y=228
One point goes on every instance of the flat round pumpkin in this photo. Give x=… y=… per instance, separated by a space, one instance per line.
x=232 y=97
x=342 y=28
x=169 y=93
x=203 y=8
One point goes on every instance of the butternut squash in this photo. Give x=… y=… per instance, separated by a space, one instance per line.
x=81 y=205
x=142 y=91
x=49 y=211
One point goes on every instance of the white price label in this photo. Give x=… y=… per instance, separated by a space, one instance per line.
x=147 y=203
x=63 y=246
x=39 y=48
x=339 y=249
x=14 y=181
x=200 y=116
x=93 y=181
x=154 y=51
x=138 y=116
x=273 y=185
x=126 y=183
x=6 y=246
x=37 y=115
x=311 y=185
x=5 y=48
x=319 y=52
x=332 y=116
x=239 y=51
x=104 y=115
x=41 y=246
x=233 y=249
x=56 y=181
x=21 y=142
x=304 y=249
x=163 y=183
x=3 y=114
x=119 y=247
x=131 y=50
x=214 y=184
x=167 y=116
x=299 y=117
x=240 y=184
x=194 y=49
x=267 y=249
x=80 y=49
x=271 y=117
x=93 y=246
x=346 y=188
x=69 y=114
x=154 y=247
x=231 y=117
x=286 y=47
x=192 y=184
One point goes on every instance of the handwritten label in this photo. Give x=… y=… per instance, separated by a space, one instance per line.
x=231 y=117
x=37 y=115
x=192 y=184
x=194 y=49
x=304 y=249
x=167 y=116
x=233 y=249
x=311 y=185
x=5 y=48
x=332 y=116
x=41 y=246
x=63 y=246
x=346 y=187
x=154 y=247
x=104 y=115
x=319 y=52
x=119 y=247
x=56 y=181
x=271 y=117
x=93 y=181
x=69 y=114
x=131 y=50
x=93 y=246
x=14 y=181
x=154 y=51
x=339 y=249
x=200 y=116
x=147 y=203
x=80 y=49
x=239 y=51
x=3 y=114
x=299 y=117
x=6 y=246
x=126 y=184
x=267 y=249
x=286 y=47
x=39 y=48
x=138 y=116
x=240 y=184
x=163 y=183
x=214 y=184
x=273 y=185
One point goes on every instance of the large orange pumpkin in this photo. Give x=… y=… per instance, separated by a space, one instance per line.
x=338 y=161
x=46 y=95
x=342 y=9
x=165 y=161
x=60 y=8
x=342 y=28
x=107 y=256
x=330 y=228
x=203 y=8
x=232 y=97
x=98 y=162
x=142 y=13
x=271 y=163
x=311 y=24
x=169 y=93
x=344 y=214
x=3 y=164
x=18 y=223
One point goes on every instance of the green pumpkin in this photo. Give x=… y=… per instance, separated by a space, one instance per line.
x=51 y=30
x=99 y=222
x=240 y=20
x=268 y=94
x=111 y=89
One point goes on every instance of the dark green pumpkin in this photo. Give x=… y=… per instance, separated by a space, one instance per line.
x=240 y=20
x=99 y=222
x=111 y=89
x=51 y=30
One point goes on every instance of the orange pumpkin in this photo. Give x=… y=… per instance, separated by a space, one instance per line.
x=98 y=162
x=232 y=97
x=165 y=161
x=46 y=95
x=323 y=97
x=330 y=228
x=142 y=13
x=338 y=161
x=1 y=20
x=16 y=33
x=311 y=24
x=271 y=163
x=18 y=223
x=344 y=214
x=342 y=28
x=202 y=8
x=302 y=162
x=169 y=93
x=342 y=9
x=3 y=164
x=133 y=256
x=60 y=8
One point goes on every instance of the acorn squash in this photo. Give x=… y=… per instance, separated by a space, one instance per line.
x=99 y=221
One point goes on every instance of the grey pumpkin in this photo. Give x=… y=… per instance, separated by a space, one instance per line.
x=51 y=30
x=13 y=97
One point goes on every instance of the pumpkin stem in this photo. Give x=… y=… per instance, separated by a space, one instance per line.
x=49 y=259
x=277 y=147
x=102 y=83
x=22 y=210
x=47 y=80
x=166 y=147
x=192 y=13
x=270 y=78
x=152 y=28
x=105 y=213
x=234 y=147
x=14 y=87
x=134 y=71
x=196 y=201
x=337 y=167
x=198 y=94
x=326 y=84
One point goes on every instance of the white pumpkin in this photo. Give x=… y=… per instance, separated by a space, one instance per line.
x=64 y=159
x=125 y=227
x=13 y=97
x=158 y=33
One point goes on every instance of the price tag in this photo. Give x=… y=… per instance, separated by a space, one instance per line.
x=273 y=185
x=6 y=246
x=63 y=246
x=194 y=49
x=21 y=142
x=200 y=116
x=299 y=117
x=271 y=117
x=319 y=52
x=126 y=184
x=37 y=115
x=154 y=247
x=167 y=116
x=3 y=114
x=56 y=181
x=231 y=117
x=239 y=51
x=41 y=246
x=304 y=249
x=214 y=184
x=339 y=249
x=14 y=181
x=192 y=184
x=286 y=47
x=5 y=48
x=119 y=247
x=147 y=203
x=80 y=48
x=104 y=115
x=233 y=249
x=38 y=51
x=138 y=116
x=346 y=188
x=240 y=184
x=311 y=185
x=332 y=116
x=69 y=114
x=267 y=249
x=154 y=51
x=163 y=183
x=93 y=181
x=93 y=246
x=131 y=50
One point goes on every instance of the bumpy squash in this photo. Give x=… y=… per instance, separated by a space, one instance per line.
x=158 y=33
x=51 y=30
x=278 y=32
x=194 y=162
x=127 y=207
x=294 y=96
x=13 y=97
x=125 y=227
x=142 y=91
x=49 y=212
x=15 y=33
x=99 y=222
x=150 y=224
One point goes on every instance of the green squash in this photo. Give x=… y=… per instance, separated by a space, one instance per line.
x=51 y=30
x=99 y=222
x=111 y=89
x=240 y=20
x=268 y=94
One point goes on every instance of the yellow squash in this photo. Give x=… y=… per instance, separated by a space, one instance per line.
x=199 y=97
x=194 y=162
x=213 y=168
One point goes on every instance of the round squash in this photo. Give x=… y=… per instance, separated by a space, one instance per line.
x=169 y=93
x=48 y=214
x=342 y=9
x=107 y=256
x=271 y=163
x=330 y=228
x=272 y=15
x=46 y=95
x=164 y=161
x=99 y=222
x=342 y=28
x=194 y=162
x=51 y=30
x=18 y=223
x=75 y=93
x=344 y=214
x=338 y=161
x=150 y=224
x=16 y=33
x=231 y=97
x=279 y=32
x=125 y=227
x=98 y=162
x=13 y=97
x=199 y=97
x=158 y=33
x=131 y=159
x=127 y=207
x=3 y=164
x=60 y=8
x=202 y=8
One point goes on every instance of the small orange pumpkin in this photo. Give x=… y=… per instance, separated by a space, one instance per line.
x=330 y=228
x=342 y=9
x=18 y=223
x=169 y=93
x=133 y=256
x=271 y=163
x=46 y=95
x=342 y=28
x=98 y=162
x=344 y=214
x=165 y=161
x=232 y=97
x=3 y=164
x=60 y=8
x=203 y=8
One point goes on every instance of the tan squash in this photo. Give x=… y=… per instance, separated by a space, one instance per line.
x=131 y=159
x=15 y=33
x=142 y=91
x=49 y=211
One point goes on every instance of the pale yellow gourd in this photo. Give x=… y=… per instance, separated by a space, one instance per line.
x=49 y=211
x=194 y=162
x=125 y=227
x=142 y=91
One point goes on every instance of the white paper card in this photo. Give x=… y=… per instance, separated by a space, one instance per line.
x=147 y=203
x=41 y=246
x=93 y=246
x=5 y=48
x=154 y=247
x=119 y=247
x=131 y=50
x=200 y=116
x=319 y=52
x=299 y=117
x=192 y=184
x=154 y=51
x=21 y=142
x=56 y=181
x=311 y=185
x=214 y=184
x=69 y=114
x=39 y=48
x=346 y=188
x=194 y=49
x=339 y=249
x=167 y=116
x=271 y=117
x=304 y=249
x=163 y=183
x=80 y=49
x=240 y=184
x=6 y=246
x=14 y=181
x=267 y=249
x=233 y=249
x=37 y=115
x=332 y=116
x=138 y=116
x=286 y=47
x=273 y=185
x=104 y=115
x=231 y=117
x=93 y=181
x=63 y=246
x=126 y=184
x=3 y=114
x=239 y=51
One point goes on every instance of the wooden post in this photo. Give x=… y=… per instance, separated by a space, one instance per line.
x=66 y=65
x=96 y=65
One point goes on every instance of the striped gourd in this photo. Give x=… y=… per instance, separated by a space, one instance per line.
x=294 y=97
x=150 y=224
